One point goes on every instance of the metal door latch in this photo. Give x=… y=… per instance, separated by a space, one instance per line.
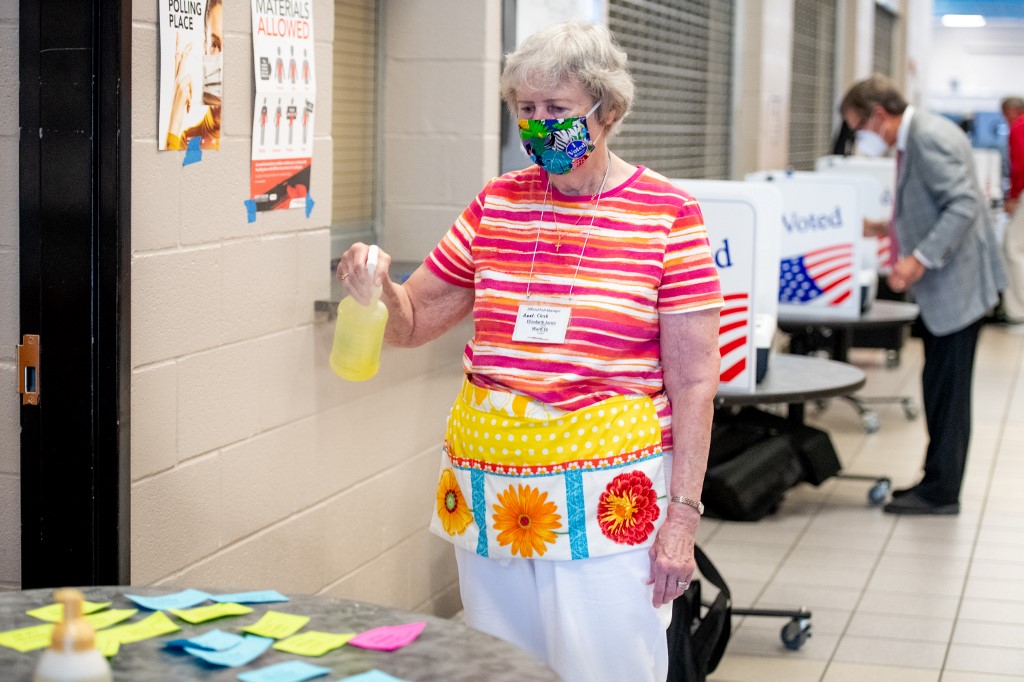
x=28 y=369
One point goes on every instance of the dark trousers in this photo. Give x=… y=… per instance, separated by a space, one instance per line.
x=946 y=384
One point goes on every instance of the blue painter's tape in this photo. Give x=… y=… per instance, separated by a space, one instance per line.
x=250 y=206
x=309 y=205
x=193 y=154
x=479 y=510
x=577 y=514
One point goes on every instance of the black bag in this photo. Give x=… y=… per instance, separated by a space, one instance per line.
x=817 y=455
x=752 y=484
x=697 y=636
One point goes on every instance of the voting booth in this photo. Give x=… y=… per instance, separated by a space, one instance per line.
x=820 y=245
x=742 y=221
x=880 y=207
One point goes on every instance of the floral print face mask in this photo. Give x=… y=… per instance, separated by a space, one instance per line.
x=557 y=145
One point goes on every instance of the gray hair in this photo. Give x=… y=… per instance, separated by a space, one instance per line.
x=1013 y=104
x=574 y=51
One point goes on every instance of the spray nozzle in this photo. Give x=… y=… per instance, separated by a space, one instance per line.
x=371 y=270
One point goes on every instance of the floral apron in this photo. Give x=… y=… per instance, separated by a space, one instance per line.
x=522 y=479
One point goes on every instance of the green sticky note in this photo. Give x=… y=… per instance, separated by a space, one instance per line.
x=104 y=619
x=28 y=639
x=152 y=626
x=201 y=614
x=54 y=613
x=313 y=643
x=277 y=625
x=106 y=644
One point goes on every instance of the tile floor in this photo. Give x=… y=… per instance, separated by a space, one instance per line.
x=893 y=598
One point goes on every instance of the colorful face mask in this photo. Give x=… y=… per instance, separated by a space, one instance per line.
x=557 y=144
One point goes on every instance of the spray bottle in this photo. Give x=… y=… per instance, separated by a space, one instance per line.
x=72 y=656
x=359 y=332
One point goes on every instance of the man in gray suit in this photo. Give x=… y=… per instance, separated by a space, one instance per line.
x=946 y=254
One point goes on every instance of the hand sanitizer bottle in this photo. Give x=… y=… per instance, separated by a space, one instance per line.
x=72 y=656
x=359 y=332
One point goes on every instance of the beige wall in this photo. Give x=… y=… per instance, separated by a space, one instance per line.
x=252 y=464
x=10 y=428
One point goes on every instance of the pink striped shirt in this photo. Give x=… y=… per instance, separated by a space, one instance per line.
x=647 y=254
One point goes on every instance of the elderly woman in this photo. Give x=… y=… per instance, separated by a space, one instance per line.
x=594 y=359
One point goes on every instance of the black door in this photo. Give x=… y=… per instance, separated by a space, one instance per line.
x=75 y=89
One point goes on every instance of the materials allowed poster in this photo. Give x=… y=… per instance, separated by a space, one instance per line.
x=282 y=127
x=191 y=68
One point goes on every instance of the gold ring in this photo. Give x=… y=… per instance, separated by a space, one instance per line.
x=342 y=278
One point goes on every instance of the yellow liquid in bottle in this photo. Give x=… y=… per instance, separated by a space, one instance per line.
x=358 y=337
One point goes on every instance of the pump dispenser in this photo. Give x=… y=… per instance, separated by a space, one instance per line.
x=72 y=656
x=359 y=332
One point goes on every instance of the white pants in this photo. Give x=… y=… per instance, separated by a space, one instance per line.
x=588 y=620
x=1013 y=250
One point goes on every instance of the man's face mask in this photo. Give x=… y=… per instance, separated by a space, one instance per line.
x=870 y=143
x=213 y=81
x=558 y=145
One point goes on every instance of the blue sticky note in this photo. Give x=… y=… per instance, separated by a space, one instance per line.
x=214 y=640
x=185 y=599
x=309 y=205
x=255 y=597
x=372 y=676
x=291 y=671
x=250 y=207
x=245 y=651
x=193 y=154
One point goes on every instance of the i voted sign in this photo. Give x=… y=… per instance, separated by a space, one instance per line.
x=820 y=240
x=880 y=174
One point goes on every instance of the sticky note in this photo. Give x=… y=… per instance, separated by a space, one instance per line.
x=107 y=645
x=194 y=153
x=250 y=208
x=104 y=619
x=388 y=637
x=312 y=643
x=245 y=651
x=154 y=625
x=277 y=625
x=201 y=614
x=28 y=639
x=54 y=613
x=178 y=600
x=372 y=676
x=214 y=640
x=309 y=205
x=291 y=671
x=257 y=597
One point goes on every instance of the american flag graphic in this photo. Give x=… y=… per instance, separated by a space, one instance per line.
x=884 y=249
x=733 y=336
x=823 y=275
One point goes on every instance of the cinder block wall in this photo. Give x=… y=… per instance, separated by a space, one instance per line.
x=252 y=464
x=10 y=419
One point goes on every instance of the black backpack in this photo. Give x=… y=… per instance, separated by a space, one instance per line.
x=698 y=634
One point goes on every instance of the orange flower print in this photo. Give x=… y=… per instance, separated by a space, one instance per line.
x=628 y=508
x=451 y=505
x=525 y=520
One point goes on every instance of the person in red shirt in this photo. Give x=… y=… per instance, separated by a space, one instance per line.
x=1013 y=242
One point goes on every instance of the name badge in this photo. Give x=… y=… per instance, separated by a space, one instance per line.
x=541 y=323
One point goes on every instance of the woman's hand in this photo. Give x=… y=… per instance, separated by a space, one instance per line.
x=352 y=273
x=181 y=102
x=672 y=562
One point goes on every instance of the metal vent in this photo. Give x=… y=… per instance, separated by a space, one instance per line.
x=680 y=55
x=812 y=102
x=885 y=30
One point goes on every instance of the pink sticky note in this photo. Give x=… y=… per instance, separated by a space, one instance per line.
x=388 y=637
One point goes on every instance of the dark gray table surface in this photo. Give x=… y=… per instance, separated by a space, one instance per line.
x=882 y=313
x=798 y=379
x=445 y=650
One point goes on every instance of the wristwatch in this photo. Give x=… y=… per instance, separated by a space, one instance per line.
x=696 y=504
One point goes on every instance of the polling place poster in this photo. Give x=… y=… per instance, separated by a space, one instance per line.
x=191 y=68
x=282 y=127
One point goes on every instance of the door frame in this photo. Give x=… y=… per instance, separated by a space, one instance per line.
x=75 y=256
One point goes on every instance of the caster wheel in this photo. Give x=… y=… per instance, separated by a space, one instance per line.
x=910 y=412
x=869 y=420
x=879 y=491
x=892 y=359
x=795 y=633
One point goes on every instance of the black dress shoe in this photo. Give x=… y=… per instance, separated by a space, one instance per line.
x=900 y=492
x=912 y=503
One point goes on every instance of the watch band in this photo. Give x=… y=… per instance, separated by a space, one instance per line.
x=696 y=504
